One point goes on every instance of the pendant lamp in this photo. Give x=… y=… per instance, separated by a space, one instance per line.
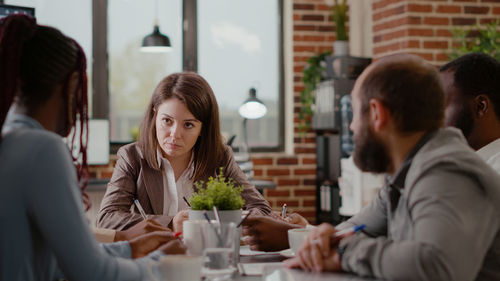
x=156 y=42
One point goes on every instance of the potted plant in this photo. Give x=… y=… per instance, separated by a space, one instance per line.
x=339 y=16
x=219 y=192
x=484 y=40
x=223 y=194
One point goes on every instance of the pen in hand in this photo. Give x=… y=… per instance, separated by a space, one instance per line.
x=283 y=211
x=141 y=210
x=187 y=202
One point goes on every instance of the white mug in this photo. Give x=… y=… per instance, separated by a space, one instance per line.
x=181 y=267
x=191 y=233
x=296 y=236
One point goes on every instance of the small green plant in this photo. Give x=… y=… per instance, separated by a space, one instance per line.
x=313 y=72
x=218 y=191
x=487 y=40
x=339 y=15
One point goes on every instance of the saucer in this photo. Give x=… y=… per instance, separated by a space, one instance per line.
x=287 y=253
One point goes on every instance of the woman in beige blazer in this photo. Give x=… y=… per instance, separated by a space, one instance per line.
x=179 y=144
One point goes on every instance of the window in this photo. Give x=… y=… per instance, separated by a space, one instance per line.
x=133 y=75
x=239 y=48
x=76 y=22
x=234 y=44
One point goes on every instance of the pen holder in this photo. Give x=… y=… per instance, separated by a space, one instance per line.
x=226 y=216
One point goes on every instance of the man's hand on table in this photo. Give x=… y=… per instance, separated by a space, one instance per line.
x=266 y=233
x=145 y=226
x=317 y=253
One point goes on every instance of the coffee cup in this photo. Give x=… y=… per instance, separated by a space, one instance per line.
x=181 y=267
x=191 y=232
x=296 y=237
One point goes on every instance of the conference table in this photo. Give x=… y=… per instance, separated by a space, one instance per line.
x=273 y=271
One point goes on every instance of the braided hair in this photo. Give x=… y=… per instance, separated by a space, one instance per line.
x=34 y=60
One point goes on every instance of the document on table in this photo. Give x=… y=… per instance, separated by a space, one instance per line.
x=245 y=251
x=256 y=269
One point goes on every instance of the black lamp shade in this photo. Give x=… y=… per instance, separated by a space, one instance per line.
x=156 y=42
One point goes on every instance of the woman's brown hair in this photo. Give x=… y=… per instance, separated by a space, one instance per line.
x=197 y=95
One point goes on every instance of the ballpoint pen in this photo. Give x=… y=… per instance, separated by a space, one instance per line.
x=344 y=232
x=187 y=202
x=244 y=218
x=283 y=211
x=141 y=210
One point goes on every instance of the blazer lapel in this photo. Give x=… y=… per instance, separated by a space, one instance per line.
x=153 y=180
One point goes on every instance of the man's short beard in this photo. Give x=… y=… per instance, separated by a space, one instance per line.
x=370 y=153
x=464 y=121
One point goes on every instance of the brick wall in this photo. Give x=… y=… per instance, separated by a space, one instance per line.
x=294 y=175
x=423 y=27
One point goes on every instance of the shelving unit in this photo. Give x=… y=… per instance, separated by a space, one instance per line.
x=342 y=72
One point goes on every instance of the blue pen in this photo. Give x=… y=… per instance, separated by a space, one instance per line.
x=349 y=230
x=141 y=210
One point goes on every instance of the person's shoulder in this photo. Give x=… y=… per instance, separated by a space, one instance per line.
x=35 y=139
x=131 y=150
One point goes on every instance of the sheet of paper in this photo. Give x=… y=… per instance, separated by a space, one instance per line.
x=245 y=251
x=256 y=269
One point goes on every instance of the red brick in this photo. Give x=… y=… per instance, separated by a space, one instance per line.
x=323 y=7
x=304 y=192
x=305 y=172
x=420 y=32
x=310 y=140
x=313 y=18
x=309 y=161
x=288 y=161
x=463 y=21
x=298 y=89
x=496 y=10
x=282 y=182
x=390 y=47
x=419 y=8
x=381 y=4
x=310 y=182
x=448 y=9
x=301 y=150
x=303 y=6
x=436 y=21
x=298 y=68
x=278 y=172
x=435 y=44
x=289 y=203
x=393 y=35
x=262 y=161
x=476 y=10
x=309 y=203
x=303 y=49
x=257 y=172
x=443 y=32
x=277 y=193
x=487 y=21
x=442 y=57
x=298 y=27
x=410 y=44
x=326 y=28
x=311 y=38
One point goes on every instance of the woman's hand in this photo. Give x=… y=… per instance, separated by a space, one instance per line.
x=145 y=226
x=174 y=247
x=179 y=218
x=145 y=244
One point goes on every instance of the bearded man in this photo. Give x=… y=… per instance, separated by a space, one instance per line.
x=438 y=217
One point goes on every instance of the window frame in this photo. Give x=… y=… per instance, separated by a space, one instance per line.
x=100 y=71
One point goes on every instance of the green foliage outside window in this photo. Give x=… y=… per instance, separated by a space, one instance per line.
x=487 y=40
x=218 y=191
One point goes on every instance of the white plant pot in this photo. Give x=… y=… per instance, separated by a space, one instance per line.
x=225 y=216
x=341 y=48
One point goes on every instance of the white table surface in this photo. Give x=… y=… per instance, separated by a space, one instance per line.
x=276 y=273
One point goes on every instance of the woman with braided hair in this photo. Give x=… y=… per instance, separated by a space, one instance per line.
x=44 y=233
